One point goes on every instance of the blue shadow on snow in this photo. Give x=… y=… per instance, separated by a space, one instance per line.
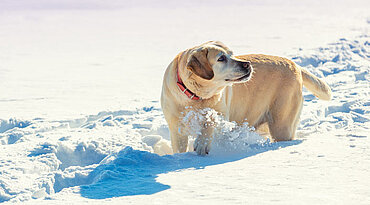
x=134 y=172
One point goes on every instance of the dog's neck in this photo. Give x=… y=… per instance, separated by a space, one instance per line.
x=184 y=89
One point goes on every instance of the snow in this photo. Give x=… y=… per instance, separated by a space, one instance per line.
x=80 y=118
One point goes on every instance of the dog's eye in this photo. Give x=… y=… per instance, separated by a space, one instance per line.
x=221 y=58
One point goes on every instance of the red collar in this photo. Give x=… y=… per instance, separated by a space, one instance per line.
x=184 y=90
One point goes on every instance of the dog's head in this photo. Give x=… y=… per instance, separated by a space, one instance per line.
x=212 y=66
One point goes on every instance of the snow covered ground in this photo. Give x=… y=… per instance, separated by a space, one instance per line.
x=80 y=115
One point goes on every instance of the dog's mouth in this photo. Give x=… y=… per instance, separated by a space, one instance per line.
x=239 y=79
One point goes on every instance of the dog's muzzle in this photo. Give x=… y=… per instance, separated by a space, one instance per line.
x=246 y=71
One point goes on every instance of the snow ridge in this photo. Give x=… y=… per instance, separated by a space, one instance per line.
x=345 y=67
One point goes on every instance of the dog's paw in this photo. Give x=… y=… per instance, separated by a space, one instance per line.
x=202 y=146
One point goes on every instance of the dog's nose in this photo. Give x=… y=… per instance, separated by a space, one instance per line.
x=246 y=64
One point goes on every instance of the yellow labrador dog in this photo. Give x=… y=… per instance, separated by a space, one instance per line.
x=265 y=91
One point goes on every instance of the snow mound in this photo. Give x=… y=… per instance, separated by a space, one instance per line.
x=81 y=155
x=159 y=145
x=6 y=125
x=50 y=155
x=8 y=134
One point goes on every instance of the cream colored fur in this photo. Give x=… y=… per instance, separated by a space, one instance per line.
x=271 y=100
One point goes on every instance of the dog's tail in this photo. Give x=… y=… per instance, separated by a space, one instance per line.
x=317 y=86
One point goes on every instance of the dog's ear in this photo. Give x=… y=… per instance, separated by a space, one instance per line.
x=199 y=64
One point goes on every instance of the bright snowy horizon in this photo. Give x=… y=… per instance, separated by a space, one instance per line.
x=81 y=121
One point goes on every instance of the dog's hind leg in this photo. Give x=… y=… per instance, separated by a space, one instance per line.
x=284 y=116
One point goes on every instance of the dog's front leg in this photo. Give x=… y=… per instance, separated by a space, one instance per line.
x=179 y=140
x=202 y=144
